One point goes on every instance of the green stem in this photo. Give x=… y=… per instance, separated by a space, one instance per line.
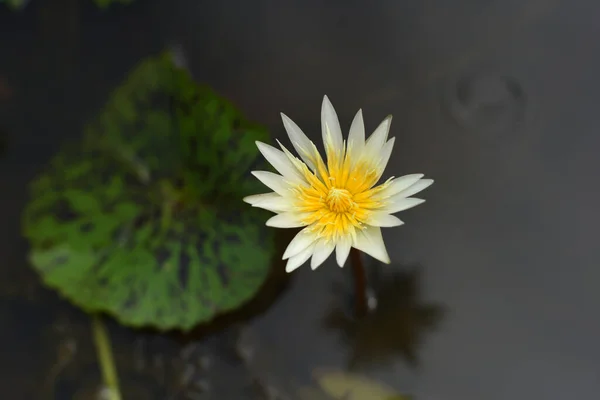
x=105 y=357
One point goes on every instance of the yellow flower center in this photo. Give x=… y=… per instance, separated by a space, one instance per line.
x=340 y=197
x=339 y=200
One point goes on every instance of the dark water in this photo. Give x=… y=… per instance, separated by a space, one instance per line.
x=496 y=100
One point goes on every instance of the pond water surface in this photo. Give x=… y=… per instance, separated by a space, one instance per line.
x=495 y=100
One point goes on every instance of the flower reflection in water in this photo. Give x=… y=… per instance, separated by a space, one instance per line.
x=396 y=323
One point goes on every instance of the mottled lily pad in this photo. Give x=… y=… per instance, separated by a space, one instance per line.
x=143 y=217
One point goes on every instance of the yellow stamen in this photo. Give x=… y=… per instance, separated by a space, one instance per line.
x=340 y=196
x=339 y=200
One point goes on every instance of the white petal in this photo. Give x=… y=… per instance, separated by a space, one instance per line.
x=276 y=203
x=416 y=188
x=295 y=161
x=302 y=144
x=402 y=204
x=299 y=259
x=275 y=182
x=383 y=220
x=370 y=241
x=322 y=251
x=378 y=138
x=280 y=162
x=399 y=184
x=385 y=154
x=257 y=198
x=342 y=249
x=286 y=220
x=331 y=131
x=300 y=242
x=356 y=137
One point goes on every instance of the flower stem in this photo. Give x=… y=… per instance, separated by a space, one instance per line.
x=105 y=358
x=360 y=283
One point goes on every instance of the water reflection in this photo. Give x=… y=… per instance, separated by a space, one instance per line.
x=397 y=321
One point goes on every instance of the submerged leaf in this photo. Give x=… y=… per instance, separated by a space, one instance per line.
x=20 y=4
x=141 y=219
x=15 y=4
x=107 y=3
x=346 y=386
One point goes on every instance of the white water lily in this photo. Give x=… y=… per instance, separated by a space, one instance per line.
x=337 y=203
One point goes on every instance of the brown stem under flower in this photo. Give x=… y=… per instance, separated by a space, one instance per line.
x=360 y=283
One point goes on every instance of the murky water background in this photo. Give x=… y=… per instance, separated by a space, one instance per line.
x=496 y=100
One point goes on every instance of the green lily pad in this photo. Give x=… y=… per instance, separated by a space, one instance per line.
x=142 y=218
